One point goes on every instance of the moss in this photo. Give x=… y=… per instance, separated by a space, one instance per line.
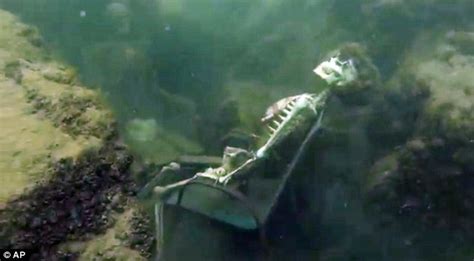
x=20 y=40
x=31 y=94
x=31 y=34
x=431 y=182
x=12 y=70
x=60 y=75
x=73 y=114
x=38 y=141
x=448 y=110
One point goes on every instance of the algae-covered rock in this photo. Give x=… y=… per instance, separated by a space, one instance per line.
x=40 y=127
x=449 y=109
x=432 y=179
x=72 y=108
x=16 y=40
x=128 y=239
x=69 y=203
x=59 y=75
x=37 y=122
x=28 y=144
x=63 y=173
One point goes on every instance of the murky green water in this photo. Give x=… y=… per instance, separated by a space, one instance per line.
x=192 y=76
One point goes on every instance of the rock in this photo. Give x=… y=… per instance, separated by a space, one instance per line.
x=31 y=34
x=117 y=203
x=31 y=114
x=59 y=75
x=115 y=242
x=434 y=165
x=141 y=237
x=56 y=189
x=13 y=70
x=380 y=186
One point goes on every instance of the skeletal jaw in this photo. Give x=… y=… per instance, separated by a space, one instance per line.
x=336 y=71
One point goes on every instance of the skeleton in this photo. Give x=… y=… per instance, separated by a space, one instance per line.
x=284 y=117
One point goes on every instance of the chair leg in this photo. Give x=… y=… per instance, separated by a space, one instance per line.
x=159 y=233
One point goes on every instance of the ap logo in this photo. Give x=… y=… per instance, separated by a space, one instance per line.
x=13 y=255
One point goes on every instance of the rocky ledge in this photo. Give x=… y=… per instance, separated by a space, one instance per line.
x=66 y=179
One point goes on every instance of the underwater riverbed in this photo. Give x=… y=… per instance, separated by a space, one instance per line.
x=97 y=96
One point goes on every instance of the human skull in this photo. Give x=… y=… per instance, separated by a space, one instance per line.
x=335 y=71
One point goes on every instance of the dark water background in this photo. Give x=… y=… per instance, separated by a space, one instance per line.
x=138 y=53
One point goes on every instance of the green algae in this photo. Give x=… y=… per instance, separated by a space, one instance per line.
x=15 y=39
